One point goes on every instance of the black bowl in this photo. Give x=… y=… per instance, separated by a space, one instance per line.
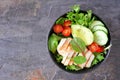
x=85 y=69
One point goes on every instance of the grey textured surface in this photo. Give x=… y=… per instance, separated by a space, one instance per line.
x=24 y=28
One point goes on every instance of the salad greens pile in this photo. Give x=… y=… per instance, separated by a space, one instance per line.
x=86 y=32
x=98 y=58
x=73 y=67
x=77 y=18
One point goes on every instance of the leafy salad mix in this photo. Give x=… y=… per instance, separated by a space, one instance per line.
x=78 y=40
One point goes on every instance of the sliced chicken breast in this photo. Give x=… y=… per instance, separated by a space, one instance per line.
x=63 y=45
x=66 y=43
x=69 y=57
x=71 y=61
x=90 y=61
x=87 y=55
x=66 y=54
x=61 y=52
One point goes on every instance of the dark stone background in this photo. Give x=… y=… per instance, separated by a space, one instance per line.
x=24 y=27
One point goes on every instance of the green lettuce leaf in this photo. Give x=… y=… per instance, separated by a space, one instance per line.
x=53 y=42
x=72 y=67
x=60 y=20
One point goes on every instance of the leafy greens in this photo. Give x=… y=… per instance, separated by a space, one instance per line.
x=58 y=58
x=60 y=20
x=53 y=42
x=78 y=44
x=98 y=58
x=72 y=67
x=79 y=59
x=78 y=17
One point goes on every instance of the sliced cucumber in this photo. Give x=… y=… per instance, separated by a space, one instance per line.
x=99 y=28
x=96 y=23
x=100 y=37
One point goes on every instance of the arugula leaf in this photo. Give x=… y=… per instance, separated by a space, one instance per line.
x=76 y=8
x=59 y=58
x=79 y=59
x=78 y=44
x=60 y=20
x=89 y=15
x=72 y=67
x=70 y=16
x=91 y=21
x=98 y=58
x=95 y=61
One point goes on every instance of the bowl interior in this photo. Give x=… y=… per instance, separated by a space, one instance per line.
x=85 y=69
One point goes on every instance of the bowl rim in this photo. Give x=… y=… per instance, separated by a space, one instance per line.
x=85 y=69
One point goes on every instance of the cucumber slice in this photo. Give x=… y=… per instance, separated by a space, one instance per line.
x=100 y=37
x=99 y=28
x=96 y=23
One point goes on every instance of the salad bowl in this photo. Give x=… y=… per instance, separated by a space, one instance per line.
x=88 y=39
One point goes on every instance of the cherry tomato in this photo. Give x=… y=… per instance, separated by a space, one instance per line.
x=57 y=28
x=94 y=47
x=100 y=49
x=66 y=32
x=67 y=23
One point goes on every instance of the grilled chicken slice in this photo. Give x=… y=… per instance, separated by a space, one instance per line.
x=65 y=50
x=88 y=64
x=71 y=61
x=69 y=57
x=66 y=54
x=88 y=55
x=63 y=45
x=62 y=42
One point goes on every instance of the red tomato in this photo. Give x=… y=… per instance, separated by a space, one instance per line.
x=100 y=49
x=66 y=32
x=94 y=47
x=67 y=23
x=57 y=28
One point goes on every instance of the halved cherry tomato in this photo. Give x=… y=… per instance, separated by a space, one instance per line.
x=94 y=47
x=66 y=32
x=67 y=23
x=100 y=49
x=57 y=28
